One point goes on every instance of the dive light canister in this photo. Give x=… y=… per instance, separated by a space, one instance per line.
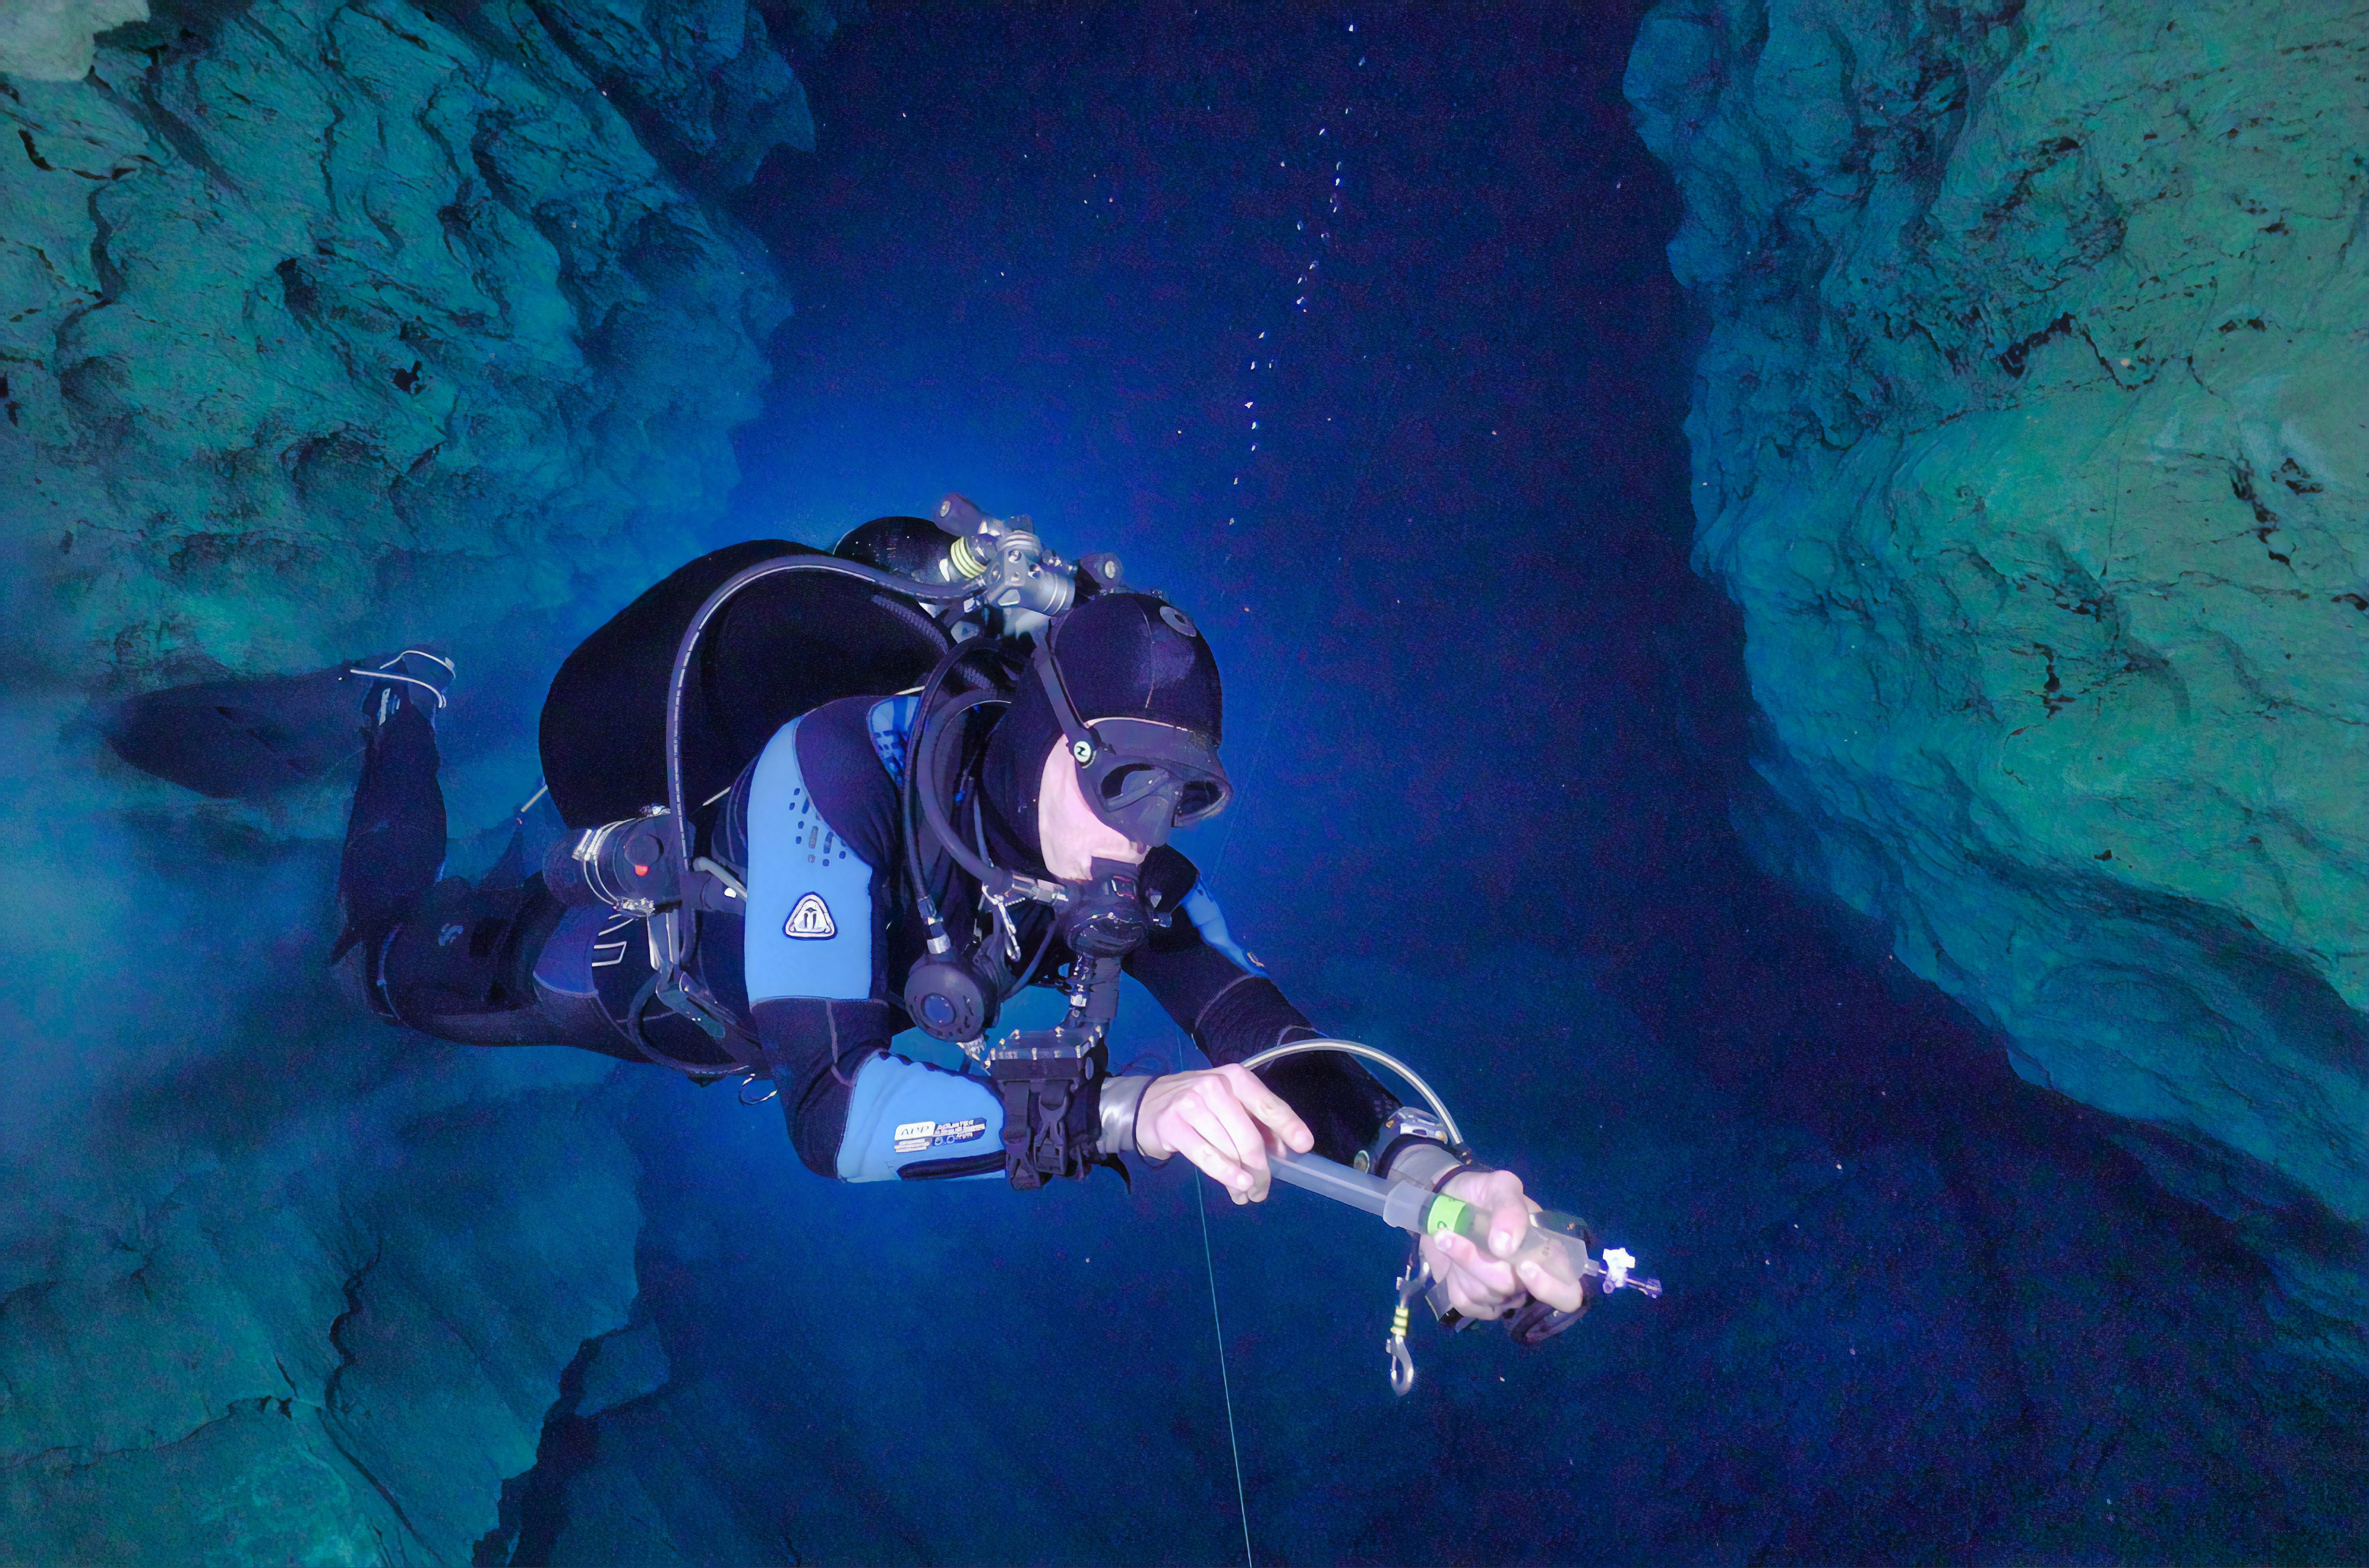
x=624 y=865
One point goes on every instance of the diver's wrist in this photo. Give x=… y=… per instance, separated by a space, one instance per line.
x=1122 y=1097
x=1422 y=1162
x=1402 y=1123
x=1412 y=1146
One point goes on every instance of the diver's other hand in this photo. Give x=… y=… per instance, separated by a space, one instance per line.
x=1225 y=1121
x=1488 y=1282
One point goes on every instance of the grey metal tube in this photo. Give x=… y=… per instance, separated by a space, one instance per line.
x=1398 y=1203
x=1326 y=1179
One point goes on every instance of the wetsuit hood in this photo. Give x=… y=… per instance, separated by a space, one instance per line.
x=1117 y=656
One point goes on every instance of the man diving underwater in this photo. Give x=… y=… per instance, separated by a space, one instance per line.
x=814 y=800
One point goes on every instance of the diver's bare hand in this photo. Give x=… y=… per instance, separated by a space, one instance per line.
x=1491 y=1281
x=1225 y=1121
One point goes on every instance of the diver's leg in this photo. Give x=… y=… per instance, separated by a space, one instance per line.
x=447 y=957
x=499 y=967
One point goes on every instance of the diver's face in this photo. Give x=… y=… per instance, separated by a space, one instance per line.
x=1072 y=835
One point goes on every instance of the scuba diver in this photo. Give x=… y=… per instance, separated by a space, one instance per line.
x=814 y=799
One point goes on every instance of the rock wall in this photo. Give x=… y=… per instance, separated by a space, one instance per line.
x=333 y=325
x=323 y=326
x=2029 y=435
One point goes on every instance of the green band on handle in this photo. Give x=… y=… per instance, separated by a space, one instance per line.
x=1445 y=1214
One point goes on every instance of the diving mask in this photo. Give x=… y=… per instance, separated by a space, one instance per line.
x=1141 y=777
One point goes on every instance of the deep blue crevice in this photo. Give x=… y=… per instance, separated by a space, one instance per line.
x=533 y=1512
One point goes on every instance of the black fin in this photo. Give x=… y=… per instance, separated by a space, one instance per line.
x=247 y=738
x=244 y=739
x=394 y=837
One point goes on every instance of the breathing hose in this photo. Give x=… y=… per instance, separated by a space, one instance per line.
x=688 y=650
x=1297 y=1047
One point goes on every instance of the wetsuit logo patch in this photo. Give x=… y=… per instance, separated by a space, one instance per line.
x=914 y=1136
x=810 y=920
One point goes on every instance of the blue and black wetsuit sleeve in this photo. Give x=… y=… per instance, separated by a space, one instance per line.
x=1213 y=986
x=822 y=844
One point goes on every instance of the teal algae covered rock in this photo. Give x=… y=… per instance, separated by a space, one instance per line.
x=329 y=325
x=2028 y=436
x=323 y=326
x=332 y=1348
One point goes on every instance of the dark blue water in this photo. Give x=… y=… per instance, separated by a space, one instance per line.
x=1359 y=341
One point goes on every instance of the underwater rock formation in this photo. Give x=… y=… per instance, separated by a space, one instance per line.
x=326 y=325
x=624 y=1367
x=52 y=40
x=322 y=325
x=2029 y=436
x=332 y=1348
